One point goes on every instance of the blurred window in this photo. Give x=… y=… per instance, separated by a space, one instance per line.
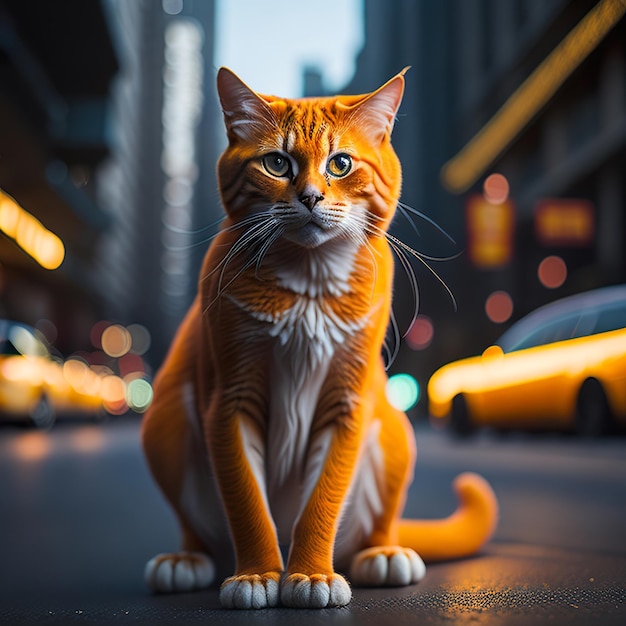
x=579 y=324
x=556 y=330
x=8 y=349
x=612 y=318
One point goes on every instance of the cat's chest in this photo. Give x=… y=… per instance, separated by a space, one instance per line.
x=316 y=315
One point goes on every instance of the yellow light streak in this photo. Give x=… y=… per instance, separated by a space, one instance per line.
x=30 y=234
x=463 y=170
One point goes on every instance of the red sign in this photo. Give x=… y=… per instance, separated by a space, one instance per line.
x=489 y=232
x=564 y=222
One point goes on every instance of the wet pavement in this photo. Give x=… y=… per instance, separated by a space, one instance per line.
x=80 y=516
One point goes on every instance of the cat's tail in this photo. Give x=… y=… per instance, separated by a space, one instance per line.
x=464 y=532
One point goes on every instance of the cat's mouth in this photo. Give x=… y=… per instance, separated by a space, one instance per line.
x=311 y=230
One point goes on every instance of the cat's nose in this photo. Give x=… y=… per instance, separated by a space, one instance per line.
x=310 y=197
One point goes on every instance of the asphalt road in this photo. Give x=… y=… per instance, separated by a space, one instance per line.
x=79 y=517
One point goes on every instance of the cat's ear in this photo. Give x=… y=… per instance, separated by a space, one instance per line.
x=376 y=113
x=246 y=114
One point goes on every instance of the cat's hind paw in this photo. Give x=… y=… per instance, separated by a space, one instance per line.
x=387 y=566
x=179 y=572
x=250 y=591
x=317 y=591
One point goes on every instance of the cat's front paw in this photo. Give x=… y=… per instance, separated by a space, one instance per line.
x=250 y=591
x=182 y=571
x=387 y=566
x=317 y=591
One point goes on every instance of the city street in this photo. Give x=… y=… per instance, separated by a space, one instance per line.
x=79 y=517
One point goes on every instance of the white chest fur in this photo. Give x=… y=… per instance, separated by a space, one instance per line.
x=307 y=337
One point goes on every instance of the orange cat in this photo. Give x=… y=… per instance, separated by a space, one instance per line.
x=270 y=426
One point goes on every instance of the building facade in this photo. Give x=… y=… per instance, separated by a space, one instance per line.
x=160 y=181
x=534 y=91
x=57 y=61
x=108 y=142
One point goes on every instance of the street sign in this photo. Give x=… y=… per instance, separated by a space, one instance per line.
x=490 y=230
x=564 y=222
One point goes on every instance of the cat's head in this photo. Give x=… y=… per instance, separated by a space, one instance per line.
x=316 y=168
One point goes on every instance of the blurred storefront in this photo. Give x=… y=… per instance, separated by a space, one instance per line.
x=57 y=61
x=108 y=126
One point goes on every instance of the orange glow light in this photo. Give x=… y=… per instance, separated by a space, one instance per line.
x=420 y=335
x=564 y=222
x=496 y=189
x=490 y=231
x=460 y=172
x=114 y=395
x=116 y=340
x=32 y=446
x=552 y=272
x=88 y=439
x=30 y=234
x=499 y=307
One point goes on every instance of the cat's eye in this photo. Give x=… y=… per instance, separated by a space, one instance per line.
x=339 y=165
x=276 y=164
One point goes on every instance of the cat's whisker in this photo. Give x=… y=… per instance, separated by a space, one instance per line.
x=185 y=231
x=357 y=231
x=274 y=236
x=407 y=217
x=190 y=233
x=259 y=225
x=410 y=272
x=422 y=258
x=222 y=266
x=406 y=208
x=392 y=353
x=221 y=289
x=252 y=236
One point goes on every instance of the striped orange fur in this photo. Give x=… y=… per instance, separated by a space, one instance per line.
x=270 y=434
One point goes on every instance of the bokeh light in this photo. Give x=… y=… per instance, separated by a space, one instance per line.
x=131 y=364
x=402 y=391
x=499 y=307
x=172 y=7
x=420 y=336
x=32 y=446
x=75 y=372
x=496 y=189
x=116 y=340
x=552 y=272
x=139 y=395
x=114 y=395
x=140 y=339
x=95 y=335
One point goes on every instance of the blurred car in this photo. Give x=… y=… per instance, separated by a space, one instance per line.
x=562 y=367
x=36 y=385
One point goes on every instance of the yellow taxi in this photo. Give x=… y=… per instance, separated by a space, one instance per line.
x=37 y=386
x=562 y=367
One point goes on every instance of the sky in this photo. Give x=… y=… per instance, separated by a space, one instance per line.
x=267 y=44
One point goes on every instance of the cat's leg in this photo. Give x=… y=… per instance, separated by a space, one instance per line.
x=167 y=442
x=384 y=562
x=238 y=448
x=310 y=580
